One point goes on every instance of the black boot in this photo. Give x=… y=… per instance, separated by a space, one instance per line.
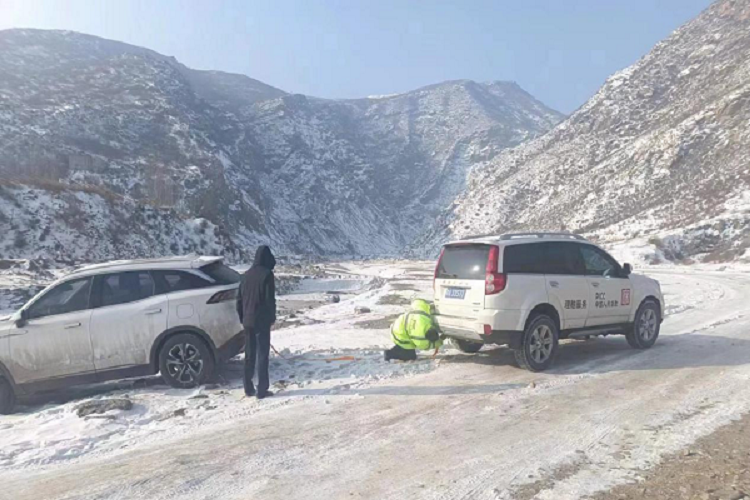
x=390 y=354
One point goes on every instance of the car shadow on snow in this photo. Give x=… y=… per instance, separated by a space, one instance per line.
x=35 y=402
x=613 y=354
x=291 y=375
x=671 y=352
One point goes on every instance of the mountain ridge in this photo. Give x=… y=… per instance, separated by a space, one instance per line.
x=308 y=175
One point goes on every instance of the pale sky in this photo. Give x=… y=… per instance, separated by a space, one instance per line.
x=561 y=51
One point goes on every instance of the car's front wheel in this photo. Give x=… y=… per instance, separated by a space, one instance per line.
x=7 y=397
x=467 y=346
x=186 y=361
x=646 y=326
x=540 y=343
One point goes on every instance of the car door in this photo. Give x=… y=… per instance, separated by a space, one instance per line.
x=54 y=341
x=127 y=319
x=609 y=287
x=567 y=287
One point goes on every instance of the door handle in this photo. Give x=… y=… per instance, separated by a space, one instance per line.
x=554 y=284
x=595 y=284
x=71 y=325
x=152 y=311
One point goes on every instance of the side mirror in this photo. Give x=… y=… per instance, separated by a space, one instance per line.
x=21 y=318
x=627 y=269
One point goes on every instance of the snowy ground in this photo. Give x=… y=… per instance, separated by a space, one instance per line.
x=458 y=427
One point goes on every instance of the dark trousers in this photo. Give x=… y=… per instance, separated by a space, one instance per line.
x=398 y=352
x=257 y=346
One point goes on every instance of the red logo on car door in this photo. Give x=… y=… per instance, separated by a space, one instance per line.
x=625 y=297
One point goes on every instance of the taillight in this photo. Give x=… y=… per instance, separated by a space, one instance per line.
x=494 y=282
x=437 y=266
x=223 y=296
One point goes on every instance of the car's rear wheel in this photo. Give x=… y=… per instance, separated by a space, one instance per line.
x=467 y=346
x=7 y=397
x=540 y=344
x=186 y=361
x=646 y=326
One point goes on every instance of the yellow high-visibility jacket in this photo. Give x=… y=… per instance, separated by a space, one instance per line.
x=411 y=329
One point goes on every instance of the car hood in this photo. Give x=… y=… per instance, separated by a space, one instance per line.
x=646 y=284
x=642 y=278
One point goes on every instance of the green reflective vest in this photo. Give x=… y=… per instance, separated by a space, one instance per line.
x=410 y=329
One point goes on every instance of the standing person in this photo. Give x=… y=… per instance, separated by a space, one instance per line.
x=256 y=306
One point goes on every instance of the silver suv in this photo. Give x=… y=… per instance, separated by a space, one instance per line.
x=530 y=290
x=121 y=319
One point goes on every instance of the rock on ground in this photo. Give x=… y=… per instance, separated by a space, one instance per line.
x=97 y=406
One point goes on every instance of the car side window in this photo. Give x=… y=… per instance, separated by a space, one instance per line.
x=598 y=263
x=122 y=288
x=524 y=259
x=562 y=258
x=177 y=281
x=67 y=297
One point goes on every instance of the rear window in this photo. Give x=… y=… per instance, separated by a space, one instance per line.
x=463 y=262
x=221 y=274
x=524 y=259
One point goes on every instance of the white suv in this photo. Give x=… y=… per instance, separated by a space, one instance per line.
x=123 y=319
x=530 y=290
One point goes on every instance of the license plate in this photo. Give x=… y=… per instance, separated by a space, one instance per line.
x=455 y=293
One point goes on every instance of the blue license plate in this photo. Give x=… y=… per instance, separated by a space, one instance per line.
x=455 y=293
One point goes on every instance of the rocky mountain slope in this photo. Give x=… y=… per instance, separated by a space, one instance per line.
x=53 y=221
x=659 y=153
x=307 y=175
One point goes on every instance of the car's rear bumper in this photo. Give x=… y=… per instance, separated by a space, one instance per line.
x=232 y=347
x=504 y=327
x=496 y=319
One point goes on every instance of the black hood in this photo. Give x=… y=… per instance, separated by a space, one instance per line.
x=264 y=258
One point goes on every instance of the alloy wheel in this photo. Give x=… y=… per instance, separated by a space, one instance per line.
x=647 y=325
x=541 y=343
x=184 y=363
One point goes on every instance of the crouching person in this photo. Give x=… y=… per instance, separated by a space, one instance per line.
x=414 y=330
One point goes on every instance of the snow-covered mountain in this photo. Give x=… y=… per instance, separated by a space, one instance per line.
x=661 y=153
x=307 y=175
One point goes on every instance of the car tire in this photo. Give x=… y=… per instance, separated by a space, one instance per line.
x=540 y=344
x=186 y=361
x=7 y=397
x=467 y=346
x=646 y=327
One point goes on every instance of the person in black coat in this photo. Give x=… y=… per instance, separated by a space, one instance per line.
x=256 y=306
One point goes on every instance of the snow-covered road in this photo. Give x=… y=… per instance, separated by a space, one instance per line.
x=473 y=427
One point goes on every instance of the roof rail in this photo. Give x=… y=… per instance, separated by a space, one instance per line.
x=572 y=236
x=135 y=262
